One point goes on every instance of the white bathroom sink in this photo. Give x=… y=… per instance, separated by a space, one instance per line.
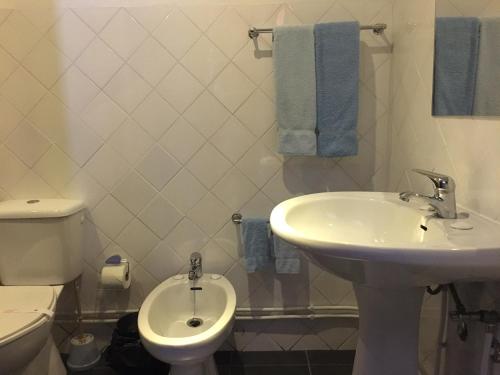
x=390 y=250
x=344 y=230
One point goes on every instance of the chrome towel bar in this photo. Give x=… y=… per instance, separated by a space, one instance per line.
x=378 y=29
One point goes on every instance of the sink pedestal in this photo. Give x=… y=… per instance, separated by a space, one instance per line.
x=388 y=330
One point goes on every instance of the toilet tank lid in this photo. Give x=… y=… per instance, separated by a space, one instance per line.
x=39 y=208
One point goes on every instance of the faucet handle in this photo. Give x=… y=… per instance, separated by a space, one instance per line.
x=195 y=258
x=440 y=181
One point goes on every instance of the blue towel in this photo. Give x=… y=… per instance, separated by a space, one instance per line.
x=487 y=98
x=255 y=238
x=286 y=256
x=337 y=79
x=293 y=56
x=455 y=65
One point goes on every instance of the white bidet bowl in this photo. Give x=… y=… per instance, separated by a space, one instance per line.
x=169 y=332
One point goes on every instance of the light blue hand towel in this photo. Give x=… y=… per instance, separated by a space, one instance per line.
x=255 y=238
x=487 y=94
x=294 y=71
x=286 y=256
x=455 y=65
x=337 y=79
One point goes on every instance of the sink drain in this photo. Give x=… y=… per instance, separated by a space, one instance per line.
x=194 y=322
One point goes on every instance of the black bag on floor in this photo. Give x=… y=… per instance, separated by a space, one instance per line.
x=126 y=355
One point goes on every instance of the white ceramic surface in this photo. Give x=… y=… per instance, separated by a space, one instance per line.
x=344 y=230
x=163 y=317
x=40 y=246
x=390 y=250
x=26 y=344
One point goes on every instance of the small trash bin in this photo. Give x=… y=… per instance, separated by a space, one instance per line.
x=126 y=355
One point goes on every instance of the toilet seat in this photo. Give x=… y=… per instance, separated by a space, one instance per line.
x=24 y=309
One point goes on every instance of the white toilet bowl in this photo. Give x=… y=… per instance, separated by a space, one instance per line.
x=26 y=344
x=164 y=317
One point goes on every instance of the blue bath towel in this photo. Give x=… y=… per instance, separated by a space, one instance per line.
x=286 y=256
x=294 y=71
x=337 y=79
x=487 y=95
x=256 y=242
x=455 y=65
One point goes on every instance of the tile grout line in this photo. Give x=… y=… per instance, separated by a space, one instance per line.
x=308 y=362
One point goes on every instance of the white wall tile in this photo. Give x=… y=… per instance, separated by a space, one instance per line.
x=123 y=34
x=46 y=62
x=179 y=88
x=158 y=167
x=155 y=115
x=176 y=23
x=182 y=140
x=160 y=216
x=131 y=141
x=70 y=35
x=18 y=36
x=127 y=89
x=27 y=143
x=134 y=192
x=110 y=216
x=206 y=114
x=204 y=60
x=137 y=239
x=152 y=61
x=75 y=90
x=184 y=191
x=232 y=87
x=99 y=62
x=22 y=90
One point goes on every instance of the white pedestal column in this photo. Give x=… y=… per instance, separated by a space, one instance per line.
x=388 y=331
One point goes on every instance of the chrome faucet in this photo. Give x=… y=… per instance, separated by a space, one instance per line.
x=195 y=271
x=443 y=200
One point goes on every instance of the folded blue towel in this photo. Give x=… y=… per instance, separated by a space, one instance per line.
x=286 y=256
x=255 y=238
x=294 y=71
x=487 y=99
x=455 y=65
x=337 y=79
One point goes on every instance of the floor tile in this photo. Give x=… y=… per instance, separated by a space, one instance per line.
x=331 y=369
x=270 y=370
x=269 y=358
x=331 y=357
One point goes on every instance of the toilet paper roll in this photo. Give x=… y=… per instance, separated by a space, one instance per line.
x=115 y=276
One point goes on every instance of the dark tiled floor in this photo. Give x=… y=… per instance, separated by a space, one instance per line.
x=316 y=362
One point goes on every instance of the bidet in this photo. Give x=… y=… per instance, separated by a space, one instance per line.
x=183 y=322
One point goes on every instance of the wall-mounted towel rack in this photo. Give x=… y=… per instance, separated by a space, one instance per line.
x=378 y=29
x=237 y=218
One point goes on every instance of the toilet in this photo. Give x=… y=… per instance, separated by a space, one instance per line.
x=183 y=322
x=40 y=250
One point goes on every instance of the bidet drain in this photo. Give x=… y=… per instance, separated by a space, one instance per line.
x=194 y=322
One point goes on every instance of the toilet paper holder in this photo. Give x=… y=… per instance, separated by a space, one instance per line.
x=116 y=260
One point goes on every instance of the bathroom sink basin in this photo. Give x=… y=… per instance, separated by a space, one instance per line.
x=390 y=250
x=376 y=239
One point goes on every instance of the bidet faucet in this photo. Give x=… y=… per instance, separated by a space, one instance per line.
x=195 y=271
x=443 y=200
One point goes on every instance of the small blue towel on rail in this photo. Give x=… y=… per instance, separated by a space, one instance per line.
x=256 y=242
x=337 y=80
x=294 y=71
x=455 y=66
x=286 y=256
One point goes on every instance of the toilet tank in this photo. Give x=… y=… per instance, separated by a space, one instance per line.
x=40 y=241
